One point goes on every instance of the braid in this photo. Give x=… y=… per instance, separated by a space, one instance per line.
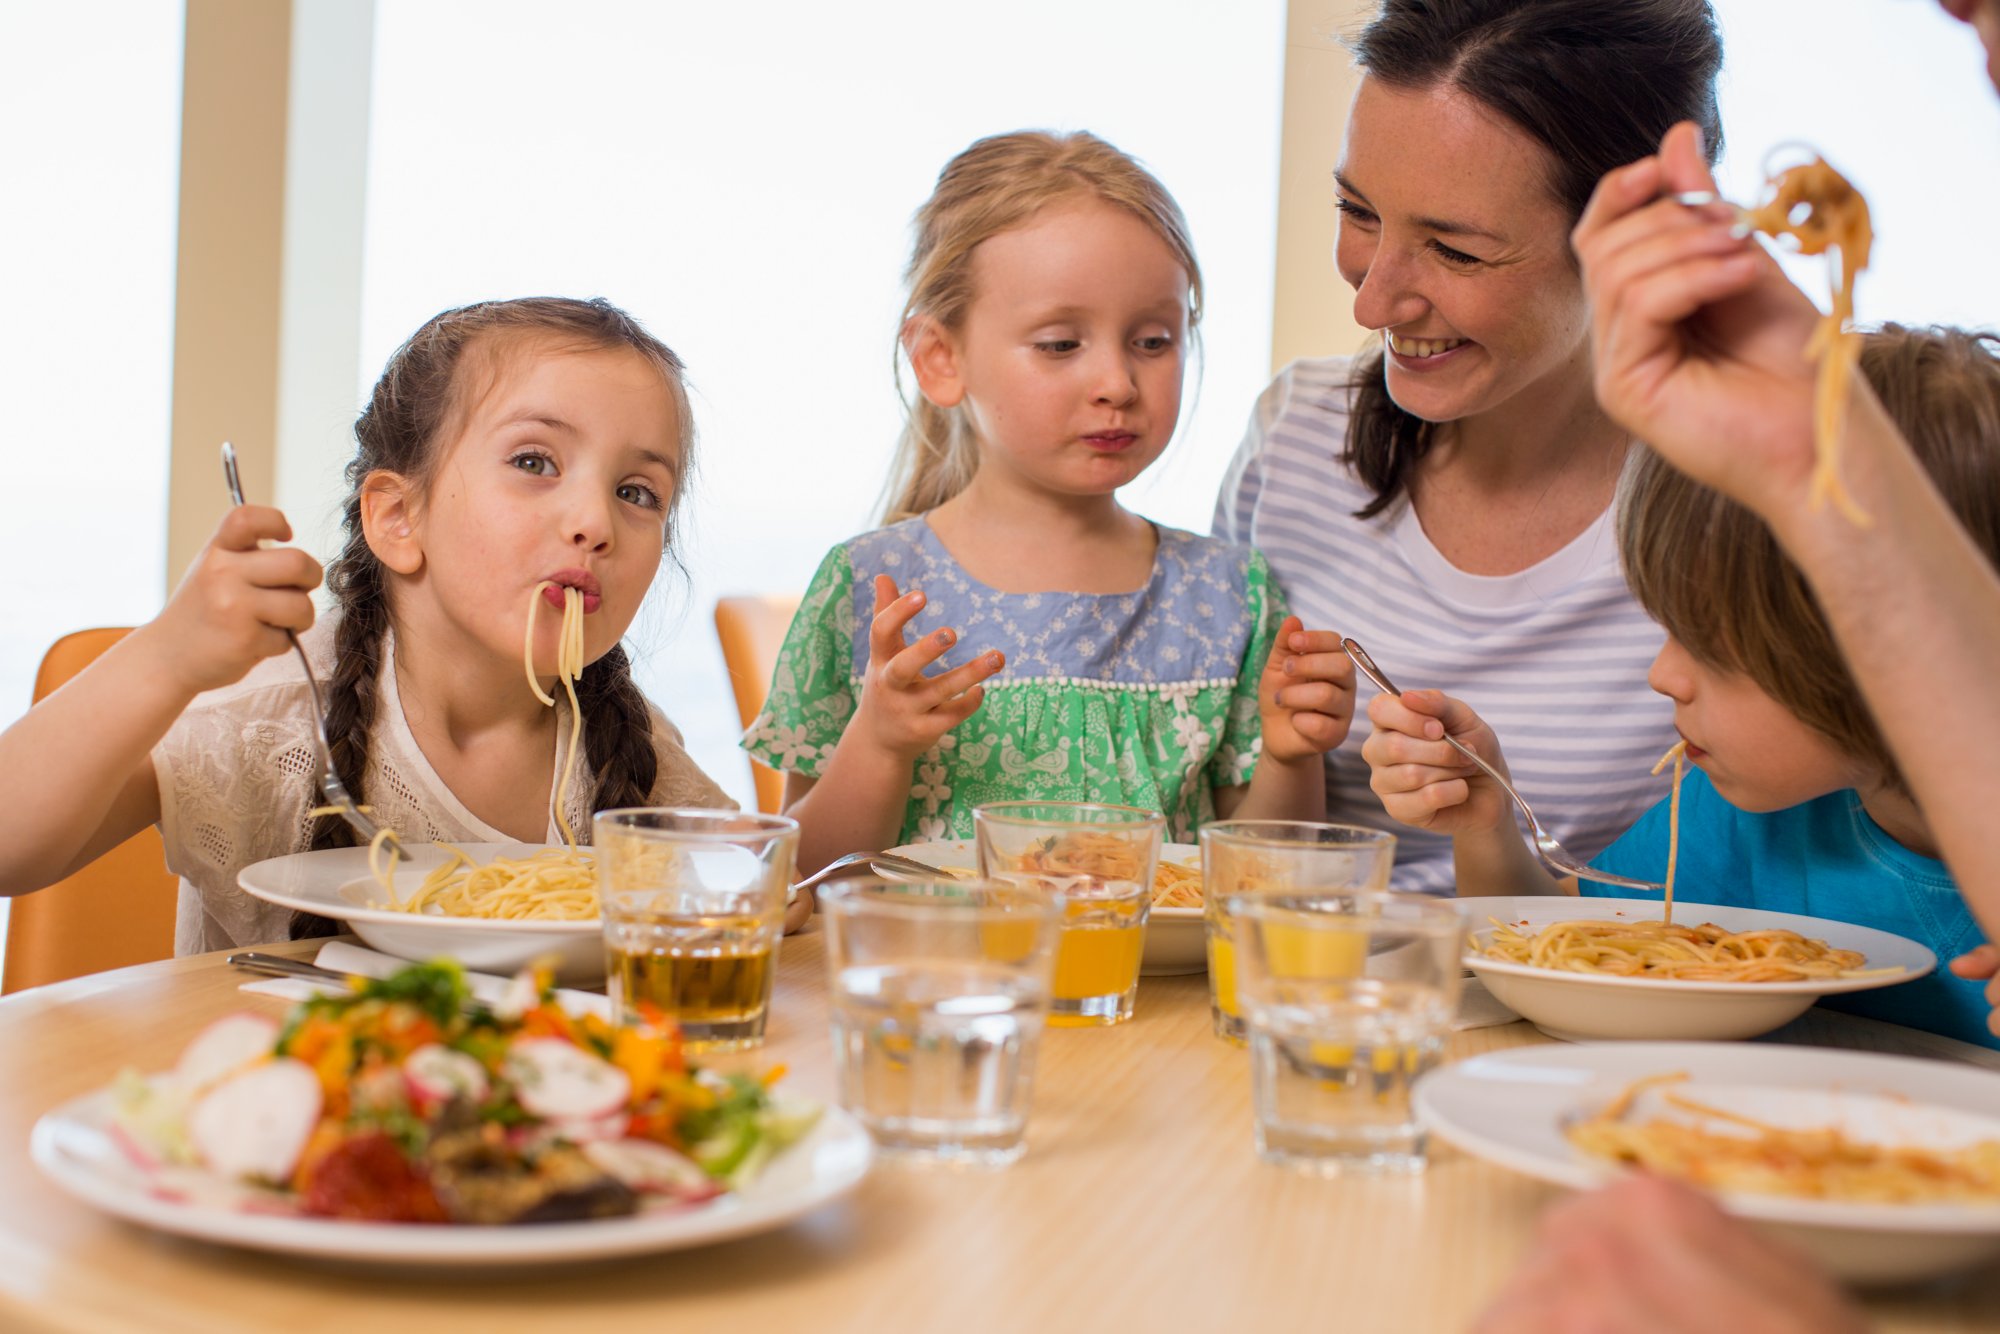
x=617 y=732
x=355 y=580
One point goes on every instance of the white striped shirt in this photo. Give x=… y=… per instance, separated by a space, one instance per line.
x=1554 y=658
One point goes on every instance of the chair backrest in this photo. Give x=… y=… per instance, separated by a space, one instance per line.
x=119 y=910
x=752 y=630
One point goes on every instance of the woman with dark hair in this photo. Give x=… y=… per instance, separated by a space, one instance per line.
x=1445 y=497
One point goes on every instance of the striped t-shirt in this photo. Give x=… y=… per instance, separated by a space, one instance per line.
x=1554 y=658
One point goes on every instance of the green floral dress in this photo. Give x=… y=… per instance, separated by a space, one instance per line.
x=1146 y=698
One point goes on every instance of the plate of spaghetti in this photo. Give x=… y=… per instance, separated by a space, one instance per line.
x=1887 y=1168
x=537 y=905
x=1583 y=968
x=1176 y=942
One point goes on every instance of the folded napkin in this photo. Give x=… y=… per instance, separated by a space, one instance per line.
x=344 y=957
x=1478 y=1009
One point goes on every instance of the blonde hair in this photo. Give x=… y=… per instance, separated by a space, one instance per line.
x=998 y=184
x=1710 y=572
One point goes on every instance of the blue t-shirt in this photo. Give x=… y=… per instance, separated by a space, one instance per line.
x=1824 y=858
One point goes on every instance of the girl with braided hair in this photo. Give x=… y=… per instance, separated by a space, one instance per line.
x=507 y=445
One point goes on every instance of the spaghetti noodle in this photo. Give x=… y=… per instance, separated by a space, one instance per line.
x=558 y=884
x=1705 y=953
x=1760 y=1158
x=1822 y=211
x=1110 y=857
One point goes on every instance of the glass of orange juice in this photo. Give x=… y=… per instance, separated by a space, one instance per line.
x=1257 y=856
x=1347 y=997
x=1100 y=861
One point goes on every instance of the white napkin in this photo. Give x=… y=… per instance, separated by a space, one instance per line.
x=1477 y=1008
x=343 y=957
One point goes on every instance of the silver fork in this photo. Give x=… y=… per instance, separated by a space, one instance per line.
x=1553 y=854
x=330 y=785
x=874 y=861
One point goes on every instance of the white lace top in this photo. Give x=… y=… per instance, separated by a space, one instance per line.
x=238 y=775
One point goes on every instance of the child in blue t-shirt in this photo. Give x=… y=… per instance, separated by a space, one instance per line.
x=1796 y=805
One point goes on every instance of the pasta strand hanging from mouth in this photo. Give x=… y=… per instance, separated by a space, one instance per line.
x=557 y=884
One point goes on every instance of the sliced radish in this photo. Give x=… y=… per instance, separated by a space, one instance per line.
x=561 y=1081
x=255 y=1124
x=652 y=1169
x=591 y=1129
x=139 y=1154
x=223 y=1048
x=437 y=1074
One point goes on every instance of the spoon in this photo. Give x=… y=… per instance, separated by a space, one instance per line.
x=1553 y=854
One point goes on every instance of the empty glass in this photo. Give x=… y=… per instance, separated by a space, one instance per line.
x=694 y=905
x=1259 y=856
x=1101 y=861
x=1347 y=998
x=940 y=989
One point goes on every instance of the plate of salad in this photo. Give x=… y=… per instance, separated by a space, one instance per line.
x=405 y=1124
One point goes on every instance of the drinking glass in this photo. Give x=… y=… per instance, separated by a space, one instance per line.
x=940 y=989
x=1100 y=861
x=1255 y=856
x=1348 y=997
x=694 y=904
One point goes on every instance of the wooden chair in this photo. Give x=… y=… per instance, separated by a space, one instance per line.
x=117 y=911
x=752 y=629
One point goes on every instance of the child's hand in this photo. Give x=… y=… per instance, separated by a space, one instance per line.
x=238 y=599
x=1306 y=696
x=1983 y=965
x=902 y=711
x=1422 y=781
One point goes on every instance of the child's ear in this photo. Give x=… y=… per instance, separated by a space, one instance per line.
x=389 y=520
x=934 y=360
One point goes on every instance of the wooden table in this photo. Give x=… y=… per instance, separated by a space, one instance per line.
x=1140 y=1205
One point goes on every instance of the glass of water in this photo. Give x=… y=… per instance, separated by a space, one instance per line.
x=1348 y=997
x=1100 y=861
x=694 y=904
x=1267 y=856
x=940 y=990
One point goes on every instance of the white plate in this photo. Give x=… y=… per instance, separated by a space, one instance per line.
x=74 y=1148
x=1578 y=1006
x=1511 y=1107
x=1176 y=941
x=337 y=883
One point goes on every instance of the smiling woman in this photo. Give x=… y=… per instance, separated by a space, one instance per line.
x=1448 y=493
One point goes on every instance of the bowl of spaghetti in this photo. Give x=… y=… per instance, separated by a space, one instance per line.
x=1176 y=940
x=1589 y=968
x=1884 y=1168
x=494 y=907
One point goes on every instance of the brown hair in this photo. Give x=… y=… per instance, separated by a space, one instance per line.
x=424 y=391
x=1710 y=572
x=997 y=184
x=1596 y=84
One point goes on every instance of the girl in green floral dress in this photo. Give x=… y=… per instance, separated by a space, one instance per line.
x=1064 y=647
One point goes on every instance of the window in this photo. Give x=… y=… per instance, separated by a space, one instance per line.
x=741 y=177
x=93 y=98
x=1895 y=95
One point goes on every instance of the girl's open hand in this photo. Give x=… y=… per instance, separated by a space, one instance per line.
x=902 y=711
x=1306 y=696
x=1698 y=339
x=238 y=599
x=1422 y=781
